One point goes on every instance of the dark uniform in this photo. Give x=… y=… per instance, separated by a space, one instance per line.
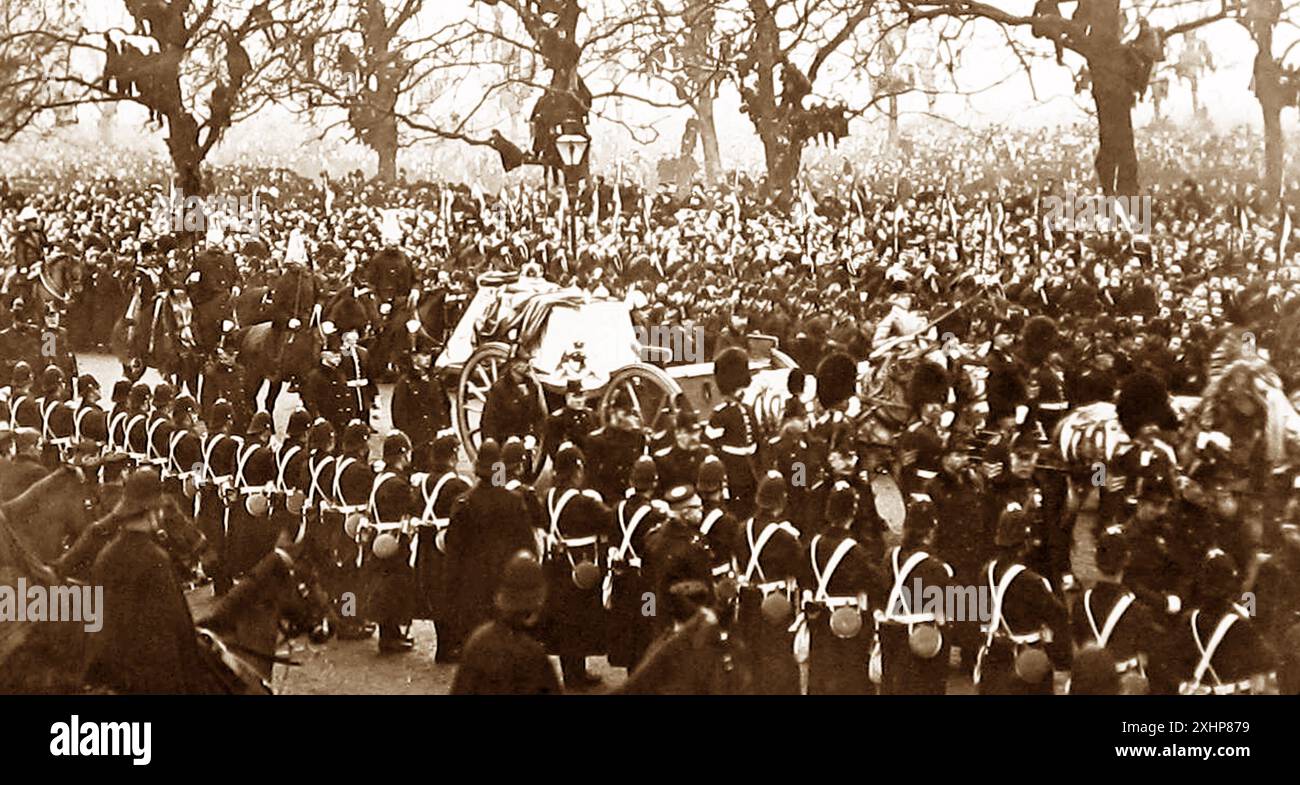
x=771 y=560
x=439 y=491
x=630 y=628
x=1025 y=614
x=612 y=451
x=488 y=526
x=574 y=623
x=221 y=461
x=903 y=671
x=420 y=407
x=393 y=506
x=844 y=582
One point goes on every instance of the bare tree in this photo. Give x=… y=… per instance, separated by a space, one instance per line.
x=27 y=56
x=693 y=55
x=1275 y=85
x=1118 y=70
x=187 y=63
x=780 y=56
x=366 y=59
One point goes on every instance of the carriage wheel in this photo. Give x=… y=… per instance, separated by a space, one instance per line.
x=481 y=371
x=654 y=394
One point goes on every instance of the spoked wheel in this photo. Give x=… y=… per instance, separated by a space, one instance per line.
x=484 y=367
x=653 y=394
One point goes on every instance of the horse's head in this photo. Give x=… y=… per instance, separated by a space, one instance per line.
x=281 y=594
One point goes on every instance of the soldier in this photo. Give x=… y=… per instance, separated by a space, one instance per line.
x=719 y=529
x=488 y=526
x=844 y=584
x=252 y=534
x=579 y=523
x=147 y=644
x=695 y=654
x=136 y=428
x=679 y=462
x=502 y=656
x=439 y=488
x=354 y=479
x=512 y=407
x=159 y=431
x=913 y=643
x=964 y=535
x=1216 y=649
x=631 y=626
x=613 y=449
x=393 y=505
x=185 y=452
x=773 y=563
x=25 y=412
x=324 y=391
x=354 y=362
x=1110 y=616
x=571 y=423
x=732 y=429
x=291 y=475
x=221 y=448
x=420 y=408
x=1026 y=619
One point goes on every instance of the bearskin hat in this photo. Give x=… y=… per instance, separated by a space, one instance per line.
x=929 y=384
x=837 y=376
x=1039 y=339
x=1143 y=400
x=731 y=369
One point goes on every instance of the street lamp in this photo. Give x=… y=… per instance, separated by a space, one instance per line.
x=571 y=145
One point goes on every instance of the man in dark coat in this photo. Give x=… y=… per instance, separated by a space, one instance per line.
x=502 y=657
x=420 y=407
x=148 y=643
x=488 y=525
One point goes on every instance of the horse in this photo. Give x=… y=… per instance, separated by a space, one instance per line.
x=58 y=281
x=281 y=353
x=50 y=511
x=156 y=330
x=211 y=286
x=391 y=335
x=279 y=600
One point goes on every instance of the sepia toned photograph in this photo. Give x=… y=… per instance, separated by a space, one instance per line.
x=647 y=348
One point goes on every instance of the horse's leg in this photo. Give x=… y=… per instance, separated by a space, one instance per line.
x=273 y=393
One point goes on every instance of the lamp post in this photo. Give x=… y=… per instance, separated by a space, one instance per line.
x=571 y=145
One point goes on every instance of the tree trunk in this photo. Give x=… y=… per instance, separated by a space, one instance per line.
x=1268 y=89
x=893 y=120
x=1117 y=166
x=783 y=157
x=709 y=140
x=187 y=158
x=385 y=146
